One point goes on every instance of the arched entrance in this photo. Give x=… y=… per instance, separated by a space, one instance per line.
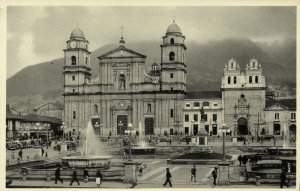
x=242 y=124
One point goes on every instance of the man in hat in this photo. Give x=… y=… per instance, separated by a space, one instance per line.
x=215 y=175
x=193 y=174
x=168 y=178
x=74 y=177
x=57 y=175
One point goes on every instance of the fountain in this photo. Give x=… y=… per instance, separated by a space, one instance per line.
x=285 y=149
x=142 y=147
x=92 y=152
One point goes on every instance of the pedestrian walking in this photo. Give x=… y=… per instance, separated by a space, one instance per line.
x=57 y=175
x=85 y=175
x=168 y=178
x=244 y=141
x=193 y=174
x=240 y=158
x=74 y=177
x=99 y=178
x=215 y=175
x=43 y=151
x=252 y=138
x=46 y=155
x=170 y=141
x=21 y=154
x=141 y=170
x=283 y=178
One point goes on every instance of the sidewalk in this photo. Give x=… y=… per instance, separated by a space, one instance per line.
x=65 y=184
x=121 y=185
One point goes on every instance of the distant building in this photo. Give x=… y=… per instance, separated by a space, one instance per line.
x=124 y=92
x=30 y=125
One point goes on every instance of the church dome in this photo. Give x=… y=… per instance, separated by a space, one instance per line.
x=173 y=28
x=77 y=33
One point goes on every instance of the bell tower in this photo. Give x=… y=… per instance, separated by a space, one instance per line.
x=173 y=68
x=77 y=63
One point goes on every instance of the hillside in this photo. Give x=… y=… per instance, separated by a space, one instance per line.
x=43 y=82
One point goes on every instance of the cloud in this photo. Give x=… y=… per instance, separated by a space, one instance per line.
x=50 y=27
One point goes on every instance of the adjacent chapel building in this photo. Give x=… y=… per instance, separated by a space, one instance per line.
x=157 y=101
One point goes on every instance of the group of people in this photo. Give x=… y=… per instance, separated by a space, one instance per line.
x=214 y=175
x=99 y=176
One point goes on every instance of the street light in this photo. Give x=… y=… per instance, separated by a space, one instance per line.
x=224 y=129
x=235 y=126
x=120 y=125
x=129 y=144
x=63 y=126
x=38 y=128
x=178 y=124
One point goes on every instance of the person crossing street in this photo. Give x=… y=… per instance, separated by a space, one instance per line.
x=168 y=178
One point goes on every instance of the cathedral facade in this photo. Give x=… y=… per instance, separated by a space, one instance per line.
x=156 y=102
x=124 y=92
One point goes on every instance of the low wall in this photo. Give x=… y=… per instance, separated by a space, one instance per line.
x=196 y=162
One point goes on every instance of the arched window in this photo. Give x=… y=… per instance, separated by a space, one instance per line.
x=148 y=108
x=171 y=75
x=234 y=79
x=171 y=56
x=250 y=79
x=172 y=40
x=231 y=65
x=86 y=60
x=96 y=109
x=122 y=82
x=229 y=80
x=256 y=79
x=73 y=58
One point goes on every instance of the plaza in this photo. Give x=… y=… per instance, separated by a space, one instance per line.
x=153 y=175
x=134 y=124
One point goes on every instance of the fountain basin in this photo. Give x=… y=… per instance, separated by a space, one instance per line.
x=102 y=162
x=141 y=150
x=289 y=151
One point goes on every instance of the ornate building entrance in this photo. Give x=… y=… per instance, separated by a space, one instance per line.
x=242 y=126
x=149 y=126
x=121 y=124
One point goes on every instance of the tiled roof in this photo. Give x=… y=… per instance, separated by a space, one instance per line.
x=39 y=118
x=287 y=103
x=203 y=94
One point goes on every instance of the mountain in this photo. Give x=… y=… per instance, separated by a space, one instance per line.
x=43 y=82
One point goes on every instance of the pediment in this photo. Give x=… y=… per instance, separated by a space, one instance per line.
x=121 y=52
x=276 y=107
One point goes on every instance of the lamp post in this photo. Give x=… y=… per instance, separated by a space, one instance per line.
x=223 y=129
x=47 y=129
x=63 y=126
x=178 y=124
x=37 y=130
x=120 y=125
x=129 y=143
x=235 y=126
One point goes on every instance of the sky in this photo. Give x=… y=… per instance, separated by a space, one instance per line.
x=37 y=34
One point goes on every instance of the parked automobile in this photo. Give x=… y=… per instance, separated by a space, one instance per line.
x=12 y=145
